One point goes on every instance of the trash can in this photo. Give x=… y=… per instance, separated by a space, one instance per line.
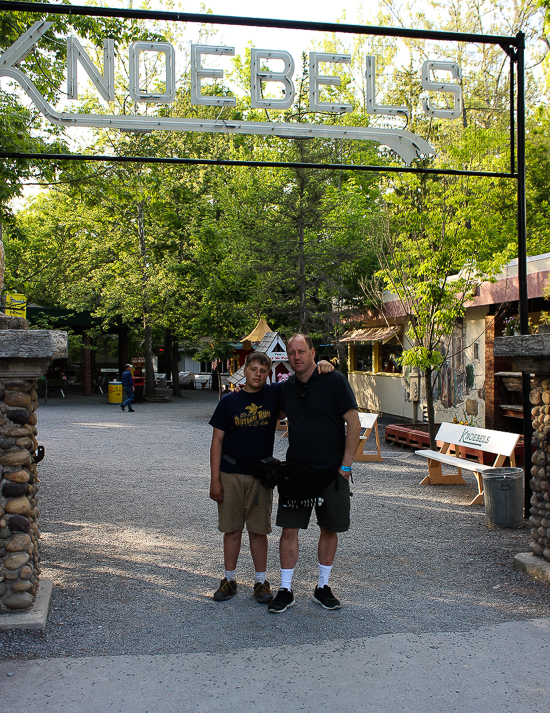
x=503 y=493
x=115 y=392
x=139 y=387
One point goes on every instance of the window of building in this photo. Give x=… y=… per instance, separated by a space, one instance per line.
x=390 y=354
x=363 y=357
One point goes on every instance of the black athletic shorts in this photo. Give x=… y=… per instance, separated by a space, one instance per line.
x=332 y=515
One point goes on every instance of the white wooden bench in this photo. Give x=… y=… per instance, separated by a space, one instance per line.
x=452 y=436
x=368 y=422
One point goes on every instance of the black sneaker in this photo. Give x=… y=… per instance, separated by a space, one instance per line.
x=262 y=592
x=283 y=599
x=122 y=406
x=324 y=597
x=226 y=590
x=131 y=410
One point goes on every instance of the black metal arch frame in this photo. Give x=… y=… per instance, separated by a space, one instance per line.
x=513 y=46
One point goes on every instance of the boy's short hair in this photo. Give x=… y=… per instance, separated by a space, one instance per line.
x=260 y=357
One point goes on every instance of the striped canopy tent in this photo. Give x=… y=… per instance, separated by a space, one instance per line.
x=258 y=333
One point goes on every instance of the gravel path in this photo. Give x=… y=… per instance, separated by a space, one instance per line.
x=131 y=544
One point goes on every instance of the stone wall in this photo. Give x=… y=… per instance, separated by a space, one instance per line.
x=19 y=485
x=540 y=470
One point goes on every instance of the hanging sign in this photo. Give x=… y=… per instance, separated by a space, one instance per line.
x=404 y=143
x=16 y=304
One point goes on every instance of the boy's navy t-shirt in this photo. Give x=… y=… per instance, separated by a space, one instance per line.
x=248 y=421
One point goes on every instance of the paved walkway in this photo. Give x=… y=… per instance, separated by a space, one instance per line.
x=434 y=618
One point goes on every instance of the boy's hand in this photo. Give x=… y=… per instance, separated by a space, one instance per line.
x=216 y=492
x=325 y=367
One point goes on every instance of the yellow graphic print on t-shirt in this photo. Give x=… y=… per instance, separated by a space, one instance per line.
x=256 y=416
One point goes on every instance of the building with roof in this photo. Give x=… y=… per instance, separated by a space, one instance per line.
x=272 y=344
x=473 y=385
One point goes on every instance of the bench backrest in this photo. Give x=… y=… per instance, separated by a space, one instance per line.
x=367 y=420
x=480 y=438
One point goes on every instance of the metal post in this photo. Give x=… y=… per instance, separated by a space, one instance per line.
x=522 y=258
x=512 y=118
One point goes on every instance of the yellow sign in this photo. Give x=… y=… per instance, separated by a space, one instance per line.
x=16 y=304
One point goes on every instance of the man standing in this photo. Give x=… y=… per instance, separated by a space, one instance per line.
x=128 y=386
x=318 y=411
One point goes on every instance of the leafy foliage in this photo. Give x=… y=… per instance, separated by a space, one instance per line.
x=202 y=252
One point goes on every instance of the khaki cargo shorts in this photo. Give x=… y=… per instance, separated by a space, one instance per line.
x=245 y=501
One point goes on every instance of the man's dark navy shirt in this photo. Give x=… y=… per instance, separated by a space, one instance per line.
x=248 y=421
x=316 y=429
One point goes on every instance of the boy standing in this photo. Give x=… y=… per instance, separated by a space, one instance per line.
x=244 y=429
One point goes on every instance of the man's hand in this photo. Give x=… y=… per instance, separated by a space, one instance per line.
x=345 y=474
x=353 y=432
x=325 y=367
x=216 y=491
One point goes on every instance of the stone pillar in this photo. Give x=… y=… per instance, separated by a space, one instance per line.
x=19 y=534
x=86 y=366
x=24 y=356
x=530 y=354
x=540 y=468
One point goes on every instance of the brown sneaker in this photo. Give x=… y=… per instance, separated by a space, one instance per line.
x=262 y=592
x=226 y=590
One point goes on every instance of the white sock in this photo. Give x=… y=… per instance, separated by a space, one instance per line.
x=324 y=574
x=229 y=575
x=259 y=577
x=286 y=578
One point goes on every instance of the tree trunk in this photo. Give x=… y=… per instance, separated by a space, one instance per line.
x=168 y=353
x=147 y=328
x=176 y=388
x=219 y=372
x=430 y=406
x=148 y=353
x=2 y=261
x=342 y=352
x=302 y=278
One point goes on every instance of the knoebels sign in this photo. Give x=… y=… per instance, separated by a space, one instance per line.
x=404 y=143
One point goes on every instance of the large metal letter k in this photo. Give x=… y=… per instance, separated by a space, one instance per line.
x=21 y=46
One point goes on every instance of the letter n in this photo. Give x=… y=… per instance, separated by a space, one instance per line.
x=105 y=84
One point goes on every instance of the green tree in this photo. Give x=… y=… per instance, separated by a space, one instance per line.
x=23 y=129
x=436 y=240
